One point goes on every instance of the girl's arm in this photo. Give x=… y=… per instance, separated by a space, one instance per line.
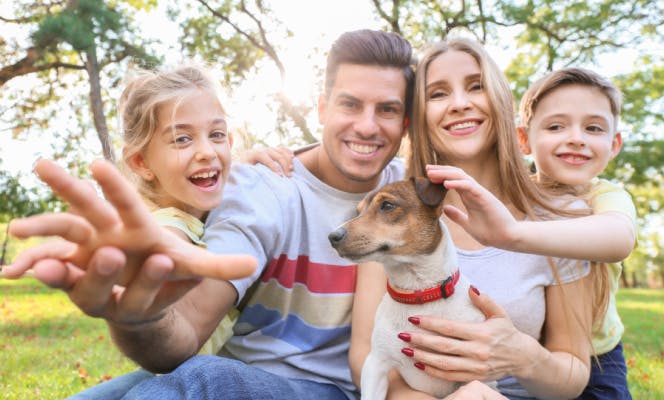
x=606 y=237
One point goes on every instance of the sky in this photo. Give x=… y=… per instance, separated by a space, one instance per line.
x=315 y=24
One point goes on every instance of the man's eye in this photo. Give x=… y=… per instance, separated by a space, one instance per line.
x=387 y=206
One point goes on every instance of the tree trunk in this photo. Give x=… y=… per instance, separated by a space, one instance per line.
x=623 y=276
x=96 y=105
x=4 y=246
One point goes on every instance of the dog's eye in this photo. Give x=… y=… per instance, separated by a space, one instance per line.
x=386 y=206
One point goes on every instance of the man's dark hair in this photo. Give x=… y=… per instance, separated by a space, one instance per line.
x=369 y=47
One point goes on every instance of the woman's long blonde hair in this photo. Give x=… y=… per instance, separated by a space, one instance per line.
x=513 y=174
x=514 y=178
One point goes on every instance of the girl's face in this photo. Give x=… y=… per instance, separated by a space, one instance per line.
x=571 y=135
x=189 y=156
x=457 y=108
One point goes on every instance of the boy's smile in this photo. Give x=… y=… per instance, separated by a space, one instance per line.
x=572 y=135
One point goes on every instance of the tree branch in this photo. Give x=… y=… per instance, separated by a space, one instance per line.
x=30 y=64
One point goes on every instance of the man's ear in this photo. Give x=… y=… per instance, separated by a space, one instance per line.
x=322 y=107
x=522 y=135
x=137 y=164
x=616 y=145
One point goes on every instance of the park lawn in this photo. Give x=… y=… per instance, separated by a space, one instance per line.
x=642 y=312
x=50 y=350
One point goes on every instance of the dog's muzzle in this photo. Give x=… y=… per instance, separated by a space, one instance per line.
x=337 y=237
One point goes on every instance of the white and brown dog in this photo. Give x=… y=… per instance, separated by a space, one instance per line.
x=400 y=227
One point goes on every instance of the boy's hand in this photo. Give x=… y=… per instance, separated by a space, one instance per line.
x=486 y=218
x=125 y=223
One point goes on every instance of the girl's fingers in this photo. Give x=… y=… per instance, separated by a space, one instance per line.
x=67 y=226
x=119 y=192
x=77 y=193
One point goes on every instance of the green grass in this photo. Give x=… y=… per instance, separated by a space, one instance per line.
x=50 y=350
x=642 y=312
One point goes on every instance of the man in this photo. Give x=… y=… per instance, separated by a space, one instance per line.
x=292 y=337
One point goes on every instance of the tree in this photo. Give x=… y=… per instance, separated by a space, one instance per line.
x=236 y=35
x=73 y=36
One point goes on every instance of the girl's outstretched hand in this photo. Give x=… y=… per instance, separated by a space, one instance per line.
x=123 y=222
x=486 y=218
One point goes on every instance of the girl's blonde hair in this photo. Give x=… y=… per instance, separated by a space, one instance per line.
x=141 y=102
x=513 y=175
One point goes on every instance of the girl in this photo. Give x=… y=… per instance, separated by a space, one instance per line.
x=462 y=116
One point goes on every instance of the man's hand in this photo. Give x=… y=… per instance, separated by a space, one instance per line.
x=125 y=223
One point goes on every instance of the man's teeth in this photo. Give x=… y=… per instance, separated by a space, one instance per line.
x=463 y=125
x=362 y=148
x=204 y=175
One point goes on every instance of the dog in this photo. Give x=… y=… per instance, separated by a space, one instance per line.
x=399 y=226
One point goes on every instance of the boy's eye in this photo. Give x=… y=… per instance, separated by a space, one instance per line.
x=595 y=129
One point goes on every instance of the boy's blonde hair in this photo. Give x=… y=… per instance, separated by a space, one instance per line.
x=141 y=102
x=564 y=77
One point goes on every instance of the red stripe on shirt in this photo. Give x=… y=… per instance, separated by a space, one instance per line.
x=318 y=278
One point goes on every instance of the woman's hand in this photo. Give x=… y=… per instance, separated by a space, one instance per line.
x=467 y=351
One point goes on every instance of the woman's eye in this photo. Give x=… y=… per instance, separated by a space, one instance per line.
x=182 y=139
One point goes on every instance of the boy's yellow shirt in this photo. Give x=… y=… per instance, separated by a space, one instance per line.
x=606 y=196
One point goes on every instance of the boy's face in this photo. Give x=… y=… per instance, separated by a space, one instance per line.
x=571 y=135
x=363 y=123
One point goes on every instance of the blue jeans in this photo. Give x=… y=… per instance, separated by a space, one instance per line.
x=609 y=381
x=212 y=377
x=113 y=389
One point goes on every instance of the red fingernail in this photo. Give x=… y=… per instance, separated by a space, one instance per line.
x=404 y=336
x=419 y=365
x=414 y=320
x=408 y=351
x=474 y=289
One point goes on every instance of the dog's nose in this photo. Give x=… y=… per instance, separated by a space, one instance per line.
x=337 y=236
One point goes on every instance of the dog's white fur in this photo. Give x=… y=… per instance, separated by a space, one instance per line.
x=408 y=268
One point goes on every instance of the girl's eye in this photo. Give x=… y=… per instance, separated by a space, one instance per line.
x=218 y=135
x=554 y=127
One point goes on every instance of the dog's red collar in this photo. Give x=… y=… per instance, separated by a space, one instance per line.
x=445 y=290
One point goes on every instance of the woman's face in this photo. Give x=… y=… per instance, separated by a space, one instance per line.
x=457 y=108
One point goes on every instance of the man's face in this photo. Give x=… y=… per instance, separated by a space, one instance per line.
x=363 y=123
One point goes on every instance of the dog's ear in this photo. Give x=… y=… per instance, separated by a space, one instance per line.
x=364 y=203
x=431 y=194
